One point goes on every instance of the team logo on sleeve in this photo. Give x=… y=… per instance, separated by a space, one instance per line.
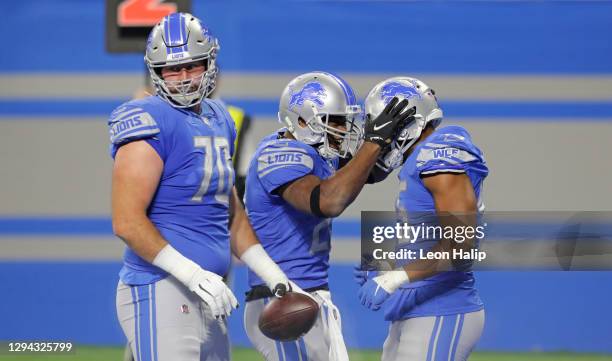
x=395 y=88
x=127 y=123
x=312 y=91
x=273 y=160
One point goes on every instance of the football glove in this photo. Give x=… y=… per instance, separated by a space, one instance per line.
x=377 y=290
x=361 y=276
x=393 y=118
x=207 y=285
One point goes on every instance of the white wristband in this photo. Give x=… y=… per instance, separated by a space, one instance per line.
x=392 y=280
x=171 y=261
x=258 y=260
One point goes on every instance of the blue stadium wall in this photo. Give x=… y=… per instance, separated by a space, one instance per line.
x=72 y=297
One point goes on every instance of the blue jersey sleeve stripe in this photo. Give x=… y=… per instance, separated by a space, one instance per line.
x=300 y=170
x=118 y=117
x=283 y=150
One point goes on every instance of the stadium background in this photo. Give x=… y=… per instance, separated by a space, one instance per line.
x=532 y=81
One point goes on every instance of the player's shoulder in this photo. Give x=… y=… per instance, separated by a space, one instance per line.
x=221 y=113
x=447 y=149
x=219 y=108
x=276 y=143
x=451 y=135
x=137 y=118
x=277 y=155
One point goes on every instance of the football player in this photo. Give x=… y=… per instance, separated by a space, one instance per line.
x=294 y=189
x=433 y=305
x=175 y=206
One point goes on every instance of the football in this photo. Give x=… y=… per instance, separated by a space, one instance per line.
x=289 y=317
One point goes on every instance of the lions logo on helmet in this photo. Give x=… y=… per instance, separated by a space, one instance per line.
x=309 y=102
x=312 y=91
x=420 y=96
x=395 y=88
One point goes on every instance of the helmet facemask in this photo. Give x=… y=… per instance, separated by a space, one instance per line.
x=179 y=39
x=338 y=135
x=186 y=93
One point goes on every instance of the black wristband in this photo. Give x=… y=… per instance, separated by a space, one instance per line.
x=315 y=208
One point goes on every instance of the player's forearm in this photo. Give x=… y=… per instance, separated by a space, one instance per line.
x=242 y=236
x=426 y=268
x=246 y=246
x=341 y=189
x=139 y=233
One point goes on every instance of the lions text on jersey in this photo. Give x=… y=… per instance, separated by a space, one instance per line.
x=298 y=242
x=191 y=206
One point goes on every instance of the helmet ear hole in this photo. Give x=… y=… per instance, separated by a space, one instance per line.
x=302 y=122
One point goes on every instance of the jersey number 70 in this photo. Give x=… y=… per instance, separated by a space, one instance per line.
x=222 y=165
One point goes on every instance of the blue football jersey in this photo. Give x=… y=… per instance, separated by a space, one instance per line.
x=298 y=242
x=191 y=206
x=446 y=150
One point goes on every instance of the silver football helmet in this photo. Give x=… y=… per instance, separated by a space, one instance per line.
x=321 y=109
x=420 y=96
x=181 y=38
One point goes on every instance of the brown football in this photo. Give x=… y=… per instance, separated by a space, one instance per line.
x=289 y=317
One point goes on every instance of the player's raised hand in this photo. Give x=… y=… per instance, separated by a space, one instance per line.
x=214 y=292
x=392 y=119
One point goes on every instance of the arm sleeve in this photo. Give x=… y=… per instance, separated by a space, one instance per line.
x=279 y=166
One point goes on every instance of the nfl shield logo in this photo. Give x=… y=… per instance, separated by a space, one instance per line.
x=185 y=309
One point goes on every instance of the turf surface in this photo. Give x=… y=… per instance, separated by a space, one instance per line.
x=87 y=353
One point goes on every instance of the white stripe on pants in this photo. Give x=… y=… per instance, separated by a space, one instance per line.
x=164 y=321
x=435 y=338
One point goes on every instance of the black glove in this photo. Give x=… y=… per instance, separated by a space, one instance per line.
x=280 y=290
x=393 y=118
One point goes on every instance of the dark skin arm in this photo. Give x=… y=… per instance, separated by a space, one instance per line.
x=242 y=236
x=456 y=205
x=338 y=191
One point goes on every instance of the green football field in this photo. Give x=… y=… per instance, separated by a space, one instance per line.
x=83 y=353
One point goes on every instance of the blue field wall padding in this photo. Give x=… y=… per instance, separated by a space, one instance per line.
x=525 y=311
x=361 y=36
